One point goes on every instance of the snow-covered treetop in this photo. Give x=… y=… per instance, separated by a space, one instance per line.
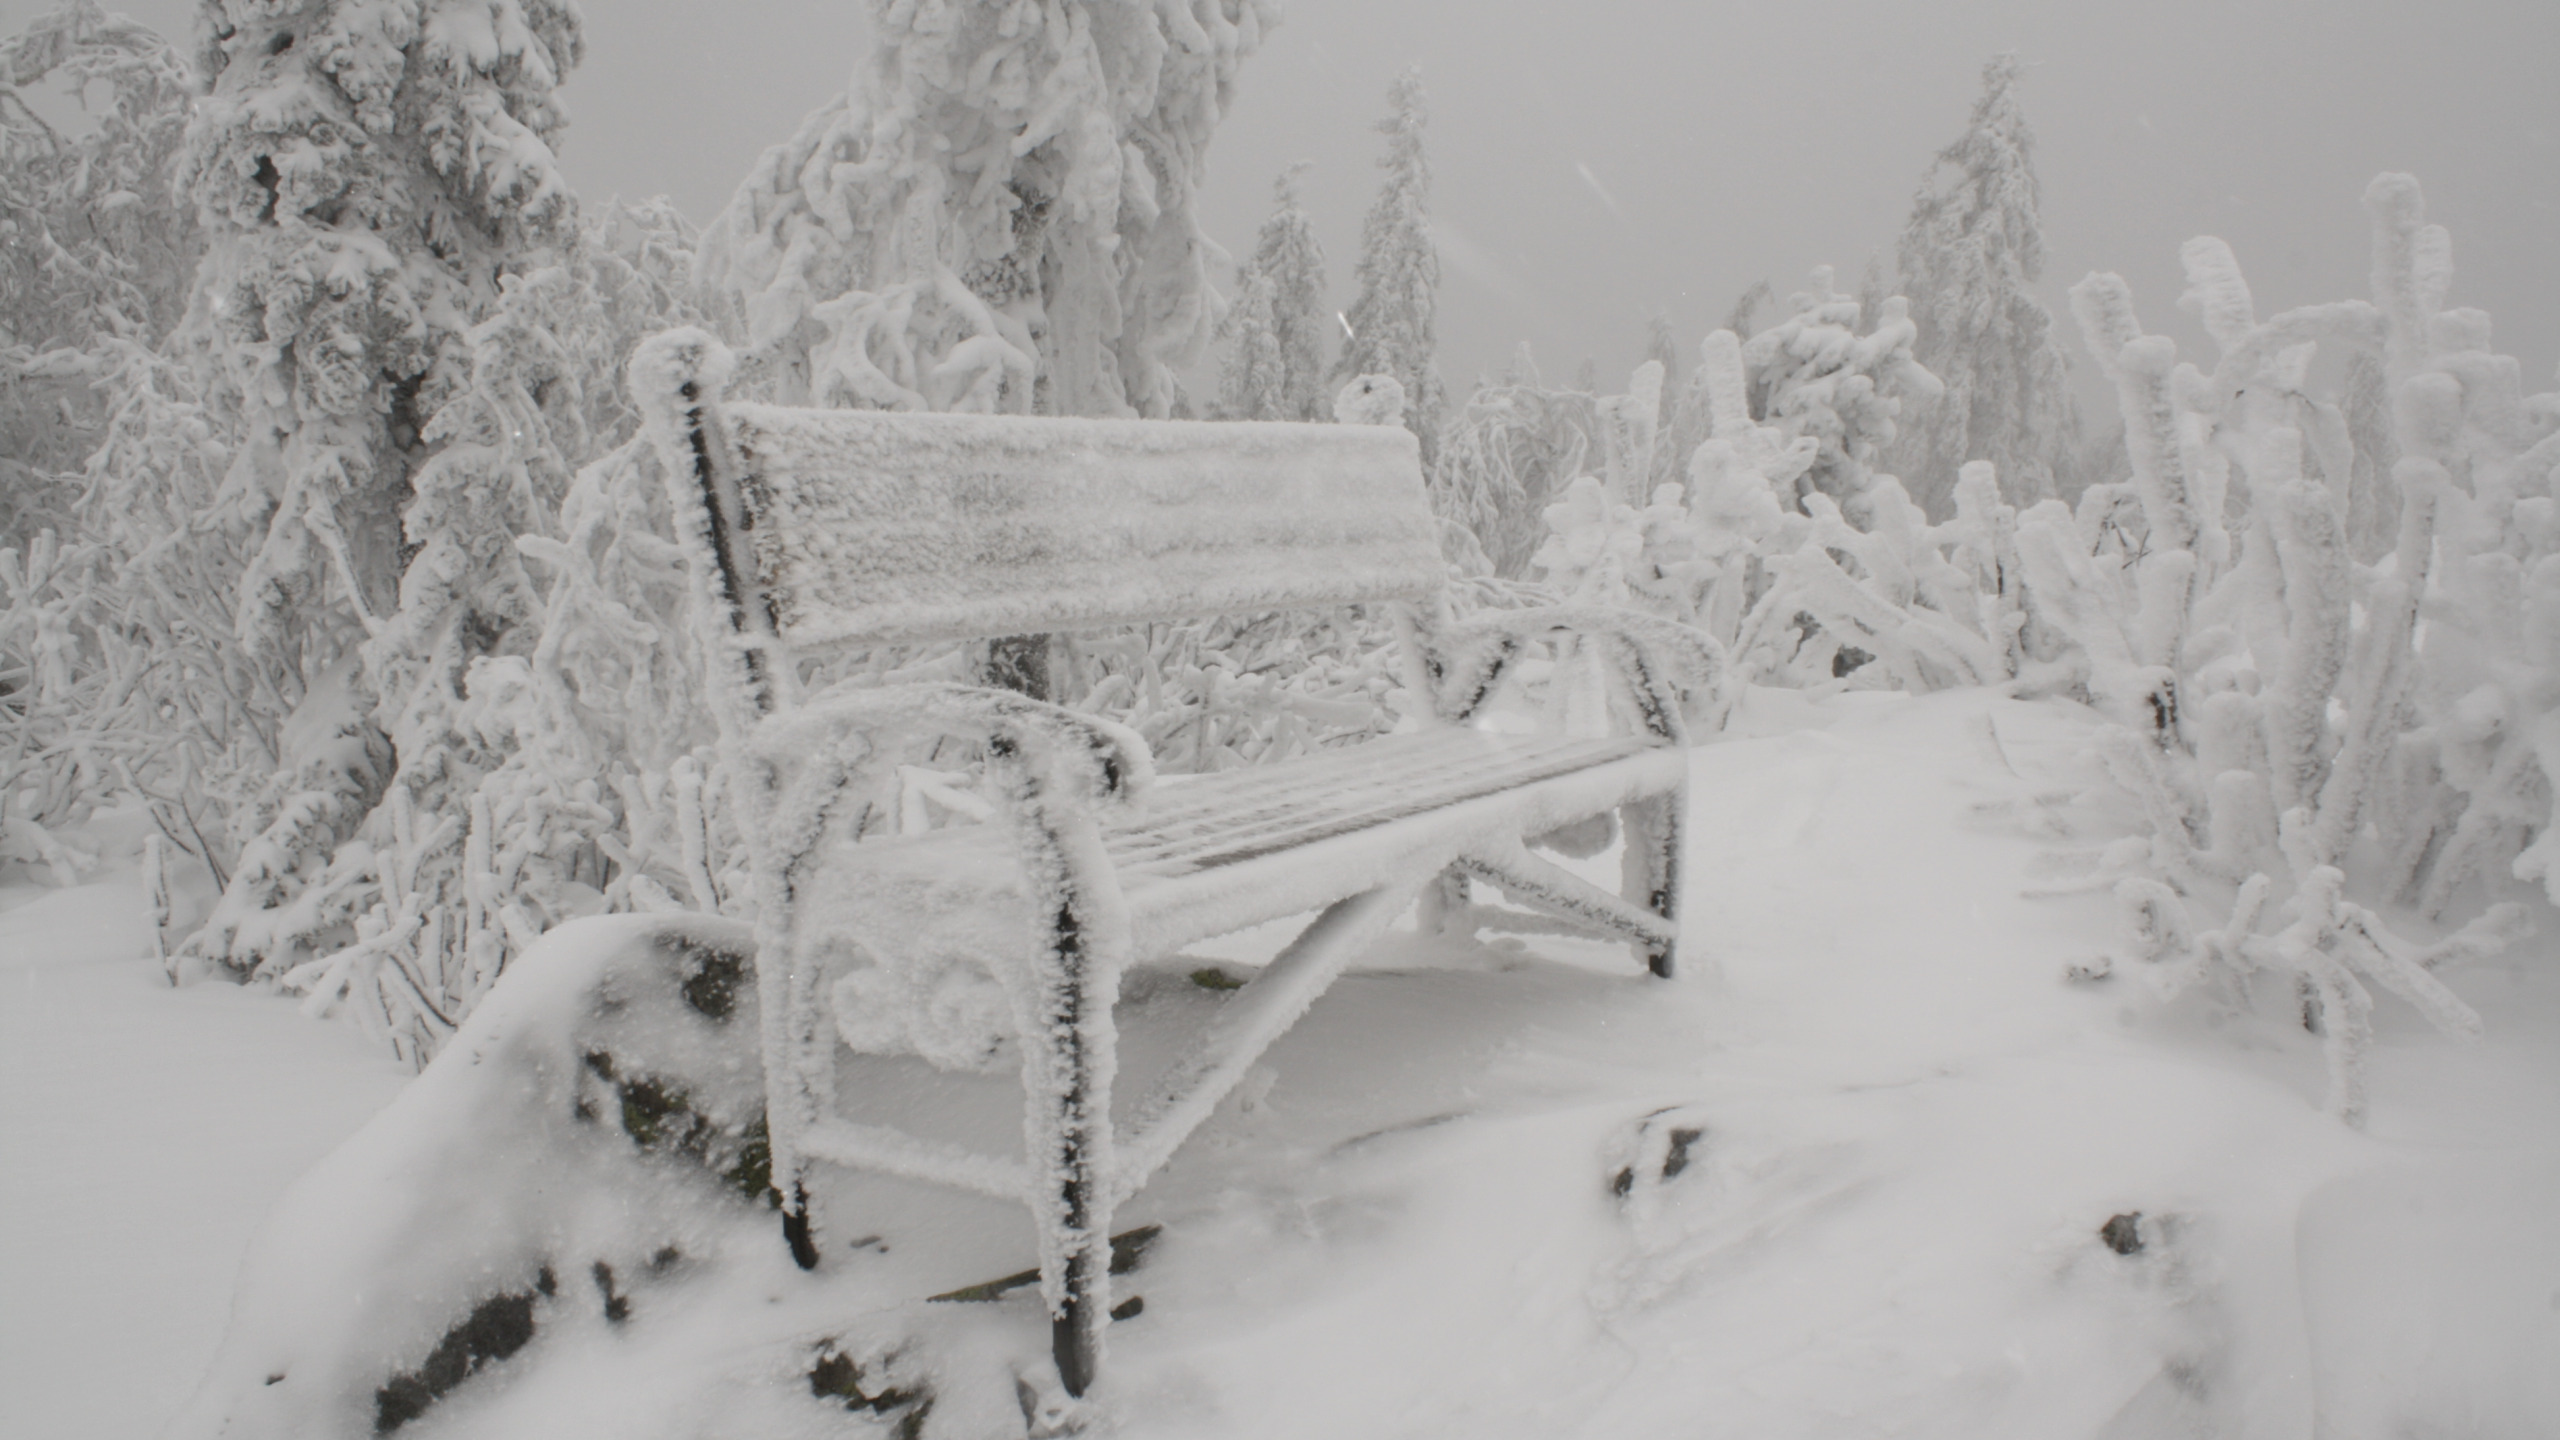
x=1970 y=253
x=1993 y=163
x=307 y=99
x=1394 y=326
x=997 y=215
x=1276 y=369
x=367 y=172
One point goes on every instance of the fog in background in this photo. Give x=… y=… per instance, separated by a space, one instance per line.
x=1599 y=161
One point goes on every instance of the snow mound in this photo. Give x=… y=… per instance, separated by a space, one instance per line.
x=592 y=1129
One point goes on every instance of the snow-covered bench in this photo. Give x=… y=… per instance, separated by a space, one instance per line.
x=810 y=530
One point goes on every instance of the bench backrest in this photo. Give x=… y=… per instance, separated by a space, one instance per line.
x=864 y=527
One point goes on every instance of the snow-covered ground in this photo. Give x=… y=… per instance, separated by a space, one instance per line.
x=1909 y=1131
x=144 y=1135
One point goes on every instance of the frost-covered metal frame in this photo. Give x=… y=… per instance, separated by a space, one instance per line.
x=1068 y=784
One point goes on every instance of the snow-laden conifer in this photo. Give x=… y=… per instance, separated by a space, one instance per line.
x=1253 y=382
x=1394 y=322
x=1970 y=253
x=1277 y=326
x=376 y=178
x=998 y=215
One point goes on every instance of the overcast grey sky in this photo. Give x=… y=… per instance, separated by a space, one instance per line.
x=1599 y=160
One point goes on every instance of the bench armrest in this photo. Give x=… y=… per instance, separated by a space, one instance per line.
x=1105 y=761
x=1662 y=662
x=827 y=747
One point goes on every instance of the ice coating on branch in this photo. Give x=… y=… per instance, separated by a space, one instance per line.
x=2139 y=366
x=2216 y=294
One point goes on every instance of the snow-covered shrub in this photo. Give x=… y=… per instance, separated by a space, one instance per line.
x=95 y=250
x=2287 y=723
x=1504 y=457
x=1882 y=604
x=95 y=257
x=53 y=754
x=1785 y=545
x=1816 y=374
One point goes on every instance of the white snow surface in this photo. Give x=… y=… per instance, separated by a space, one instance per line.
x=146 y=1133
x=1910 y=1128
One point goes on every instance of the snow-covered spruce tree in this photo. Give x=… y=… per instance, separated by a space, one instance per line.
x=95 y=249
x=1277 y=327
x=1394 y=324
x=573 y=768
x=2285 y=722
x=1252 y=382
x=998 y=215
x=374 y=176
x=1970 y=252
x=1662 y=346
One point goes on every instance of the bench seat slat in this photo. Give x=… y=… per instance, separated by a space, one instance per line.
x=1205 y=855
x=1204 y=824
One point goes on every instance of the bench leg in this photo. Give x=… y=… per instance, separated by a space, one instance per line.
x=799 y=1056
x=1069 y=1129
x=1539 y=884
x=1069 y=1054
x=1444 y=902
x=1651 y=866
